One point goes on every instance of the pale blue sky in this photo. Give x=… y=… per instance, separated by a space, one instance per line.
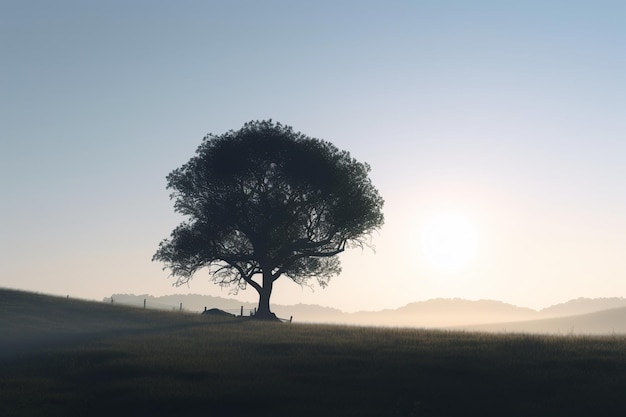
x=511 y=113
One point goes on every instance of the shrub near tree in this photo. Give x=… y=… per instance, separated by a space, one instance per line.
x=265 y=202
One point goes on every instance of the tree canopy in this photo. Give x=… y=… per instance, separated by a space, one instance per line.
x=264 y=202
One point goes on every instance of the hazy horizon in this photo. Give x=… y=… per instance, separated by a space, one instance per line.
x=495 y=133
x=608 y=302
x=577 y=317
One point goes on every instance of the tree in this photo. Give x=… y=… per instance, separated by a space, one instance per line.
x=264 y=202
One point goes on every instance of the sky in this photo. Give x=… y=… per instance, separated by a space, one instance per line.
x=507 y=115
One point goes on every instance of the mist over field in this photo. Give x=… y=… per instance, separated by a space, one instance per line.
x=579 y=316
x=65 y=357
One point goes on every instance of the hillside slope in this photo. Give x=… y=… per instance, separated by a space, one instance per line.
x=130 y=361
x=30 y=321
x=606 y=322
x=582 y=305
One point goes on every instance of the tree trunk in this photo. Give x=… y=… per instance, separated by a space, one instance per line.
x=263 y=312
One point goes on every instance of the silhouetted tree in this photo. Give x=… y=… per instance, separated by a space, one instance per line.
x=265 y=202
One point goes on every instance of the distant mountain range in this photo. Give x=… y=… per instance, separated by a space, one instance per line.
x=582 y=315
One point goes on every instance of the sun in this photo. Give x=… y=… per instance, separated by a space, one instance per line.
x=449 y=241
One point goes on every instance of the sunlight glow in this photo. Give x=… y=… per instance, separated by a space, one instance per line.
x=449 y=241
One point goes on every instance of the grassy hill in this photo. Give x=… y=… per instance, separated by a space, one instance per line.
x=63 y=357
x=606 y=322
x=35 y=322
x=581 y=306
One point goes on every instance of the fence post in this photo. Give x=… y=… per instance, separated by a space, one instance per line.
x=241 y=313
x=181 y=306
x=290 y=318
x=144 y=303
x=111 y=300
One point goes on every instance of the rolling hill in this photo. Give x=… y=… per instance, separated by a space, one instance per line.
x=64 y=357
x=437 y=313
x=605 y=322
x=34 y=322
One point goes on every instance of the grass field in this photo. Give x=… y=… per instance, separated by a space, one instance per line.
x=63 y=357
